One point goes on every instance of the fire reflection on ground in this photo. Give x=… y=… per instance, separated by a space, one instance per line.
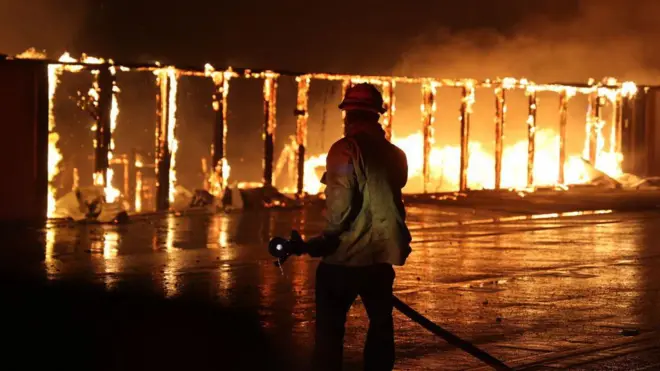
x=507 y=282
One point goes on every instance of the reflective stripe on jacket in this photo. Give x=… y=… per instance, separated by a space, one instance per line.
x=364 y=177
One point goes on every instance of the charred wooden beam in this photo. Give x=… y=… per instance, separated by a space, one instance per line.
x=302 y=116
x=500 y=119
x=627 y=130
x=428 y=110
x=219 y=147
x=105 y=81
x=563 y=120
x=617 y=124
x=650 y=128
x=163 y=154
x=389 y=102
x=132 y=178
x=531 y=136
x=593 y=126
x=270 y=124
x=466 y=110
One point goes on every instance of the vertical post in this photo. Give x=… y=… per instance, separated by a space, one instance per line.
x=531 y=135
x=163 y=155
x=132 y=178
x=650 y=130
x=301 y=130
x=220 y=168
x=104 y=85
x=270 y=123
x=389 y=102
x=640 y=145
x=626 y=134
x=593 y=126
x=428 y=109
x=76 y=179
x=467 y=101
x=628 y=92
x=138 y=190
x=615 y=132
x=563 y=120
x=127 y=183
x=500 y=119
x=54 y=156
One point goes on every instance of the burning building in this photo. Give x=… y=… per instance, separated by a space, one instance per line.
x=622 y=141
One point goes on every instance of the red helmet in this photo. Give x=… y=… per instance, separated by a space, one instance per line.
x=363 y=97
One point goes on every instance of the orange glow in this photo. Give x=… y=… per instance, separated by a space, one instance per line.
x=111 y=192
x=221 y=82
x=54 y=154
x=171 y=75
x=138 y=185
x=445 y=165
x=249 y=185
x=174 y=143
x=443 y=161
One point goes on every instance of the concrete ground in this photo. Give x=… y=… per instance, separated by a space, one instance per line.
x=538 y=292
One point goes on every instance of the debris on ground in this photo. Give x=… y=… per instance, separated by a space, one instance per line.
x=89 y=204
x=239 y=198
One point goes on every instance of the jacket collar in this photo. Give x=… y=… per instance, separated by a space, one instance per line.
x=366 y=127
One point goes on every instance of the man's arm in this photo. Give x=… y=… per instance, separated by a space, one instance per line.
x=340 y=192
x=403 y=165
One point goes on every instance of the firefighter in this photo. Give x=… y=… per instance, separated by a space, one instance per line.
x=365 y=234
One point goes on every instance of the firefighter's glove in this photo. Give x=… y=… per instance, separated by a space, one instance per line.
x=296 y=244
x=316 y=247
x=322 y=245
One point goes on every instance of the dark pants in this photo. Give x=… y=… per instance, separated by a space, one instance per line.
x=337 y=287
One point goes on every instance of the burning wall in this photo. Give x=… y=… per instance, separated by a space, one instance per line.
x=538 y=159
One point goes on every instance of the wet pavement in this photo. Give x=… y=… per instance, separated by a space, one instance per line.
x=539 y=292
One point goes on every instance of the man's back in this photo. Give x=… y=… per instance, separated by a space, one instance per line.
x=366 y=173
x=365 y=236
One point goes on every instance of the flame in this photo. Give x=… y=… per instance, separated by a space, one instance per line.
x=628 y=89
x=445 y=165
x=249 y=185
x=138 y=185
x=221 y=82
x=171 y=138
x=54 y=154
x=168 y=82
x=442 y=163
x=312 y=182
x=112 y=193
x=31 y=53
x=226 y=169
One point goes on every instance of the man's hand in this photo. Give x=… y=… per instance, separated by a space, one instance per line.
x=316 y=247
x=296 y=244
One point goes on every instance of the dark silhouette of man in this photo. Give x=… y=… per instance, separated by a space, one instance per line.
x=365 y=235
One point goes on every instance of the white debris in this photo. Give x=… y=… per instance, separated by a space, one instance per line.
x=88 y=203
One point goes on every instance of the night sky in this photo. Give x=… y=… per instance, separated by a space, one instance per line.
x=346 y=36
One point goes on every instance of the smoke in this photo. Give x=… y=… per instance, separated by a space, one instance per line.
x=44 y=24
x=605 y=38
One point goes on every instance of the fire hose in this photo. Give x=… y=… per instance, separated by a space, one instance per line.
x=280 y=248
